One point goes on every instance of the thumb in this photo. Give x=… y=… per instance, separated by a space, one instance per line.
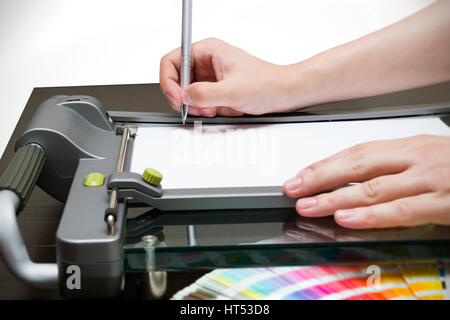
x=208 y=94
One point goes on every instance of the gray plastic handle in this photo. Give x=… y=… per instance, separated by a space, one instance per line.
x=16 y=185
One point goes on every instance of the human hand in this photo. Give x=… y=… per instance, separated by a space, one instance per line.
x=226 y=81
x=401 y=182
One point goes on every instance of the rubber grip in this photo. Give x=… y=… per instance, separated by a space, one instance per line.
x=23 y=171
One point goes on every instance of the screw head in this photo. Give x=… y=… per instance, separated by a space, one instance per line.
x=150 y=239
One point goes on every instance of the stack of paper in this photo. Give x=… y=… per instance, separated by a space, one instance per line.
x=221 y=156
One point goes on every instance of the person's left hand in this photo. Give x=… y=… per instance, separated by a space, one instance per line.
x=401 y=182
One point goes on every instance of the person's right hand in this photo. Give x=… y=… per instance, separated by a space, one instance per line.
x=225 y=80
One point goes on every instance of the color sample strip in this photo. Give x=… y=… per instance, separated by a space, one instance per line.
x=349 y=282
x=427 y=281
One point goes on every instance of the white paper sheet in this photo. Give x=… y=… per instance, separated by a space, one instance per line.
x=257 y=155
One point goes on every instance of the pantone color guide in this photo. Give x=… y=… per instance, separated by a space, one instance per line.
x=352 y=282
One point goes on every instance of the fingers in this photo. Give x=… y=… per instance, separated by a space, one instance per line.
x=410 y=211
x=210 y=94
x=358 y=163
x=377 y=190
x=202 y=66
x=203 y=98
x=229 y=112
x=169 y=78
x=221 y=111
x=214 y=111
x=207 y=97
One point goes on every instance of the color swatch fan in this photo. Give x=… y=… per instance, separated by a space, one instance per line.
x=352 y=282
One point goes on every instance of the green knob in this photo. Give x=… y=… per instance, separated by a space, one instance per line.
x=94 y=179
x=152 y=176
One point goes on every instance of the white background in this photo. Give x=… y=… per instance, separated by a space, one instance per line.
x=83 y=42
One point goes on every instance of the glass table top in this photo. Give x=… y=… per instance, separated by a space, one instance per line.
x=158 y=240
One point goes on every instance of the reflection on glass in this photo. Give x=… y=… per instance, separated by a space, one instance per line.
x=248 y=238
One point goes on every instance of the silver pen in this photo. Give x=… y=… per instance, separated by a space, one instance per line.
x=186 y=38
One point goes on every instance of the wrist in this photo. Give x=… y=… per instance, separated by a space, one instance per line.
x=305 y=84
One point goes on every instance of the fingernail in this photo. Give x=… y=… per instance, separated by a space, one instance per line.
x=186 y=98
x=306 y=203
x=345 y=214
x=293 y=184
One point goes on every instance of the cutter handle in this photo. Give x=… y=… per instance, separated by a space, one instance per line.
x=16 y=185
x=23 y=171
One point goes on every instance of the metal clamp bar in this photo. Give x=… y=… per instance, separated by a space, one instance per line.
x=111 y=212
x=211 y=199
x=417 y=110
x=131 y=180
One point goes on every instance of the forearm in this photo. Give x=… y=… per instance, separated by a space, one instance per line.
x=410 y=53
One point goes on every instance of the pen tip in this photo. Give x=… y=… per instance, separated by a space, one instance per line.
x=184 y=114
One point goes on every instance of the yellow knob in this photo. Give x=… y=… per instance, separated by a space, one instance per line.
x=94 y=179
x=152 y=176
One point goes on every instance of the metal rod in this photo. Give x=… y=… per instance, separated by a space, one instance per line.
x=123 y=149
x=110 y=218
x=192 y=235
x=14 y=253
